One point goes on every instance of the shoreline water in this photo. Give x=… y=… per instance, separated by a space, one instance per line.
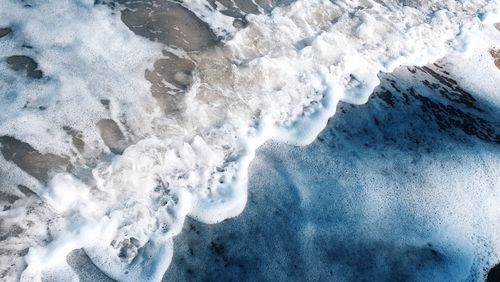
x=386 y=183
x=393 y=183
x=137 y=164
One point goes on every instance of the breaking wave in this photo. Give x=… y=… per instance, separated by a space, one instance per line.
x=119 y=119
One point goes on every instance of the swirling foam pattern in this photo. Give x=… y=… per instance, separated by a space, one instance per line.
x=119 y=119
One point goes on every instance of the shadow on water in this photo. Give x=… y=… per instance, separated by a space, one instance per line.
x=307 y=218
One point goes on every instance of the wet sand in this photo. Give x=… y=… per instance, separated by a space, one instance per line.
x=496 y=57
x=496 y=53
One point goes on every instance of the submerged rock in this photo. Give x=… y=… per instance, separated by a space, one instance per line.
x=25 y=63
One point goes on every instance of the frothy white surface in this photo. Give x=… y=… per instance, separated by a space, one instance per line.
x=281 y=77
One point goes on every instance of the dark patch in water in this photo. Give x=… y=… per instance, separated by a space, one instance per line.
x=236 y=8
x=216 y=248
x=14 y=231
x=30 y=160
x=443 y=103
x=241 y=8
x=495 y=53
x=105 y=103
x=87 y=271
x=178 y=73
x=169 y=23
x=8 y=197
x=25 y=63
x=399 y=261
x=112 y=136
x=5 y=31
x=494 y=274
x=448 y=117
x=269 y=5
x=387 y=97
x=26 y=191
x=76 y=138
x=449 y=88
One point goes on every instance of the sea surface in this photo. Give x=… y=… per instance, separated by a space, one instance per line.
x=264 y=140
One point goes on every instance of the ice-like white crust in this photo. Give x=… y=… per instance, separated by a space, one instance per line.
x=280 y=77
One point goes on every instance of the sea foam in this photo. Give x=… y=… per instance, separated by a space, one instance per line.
x=103 y=159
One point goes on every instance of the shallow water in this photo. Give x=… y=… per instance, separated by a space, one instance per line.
x=397 y=189
x=120 y=119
